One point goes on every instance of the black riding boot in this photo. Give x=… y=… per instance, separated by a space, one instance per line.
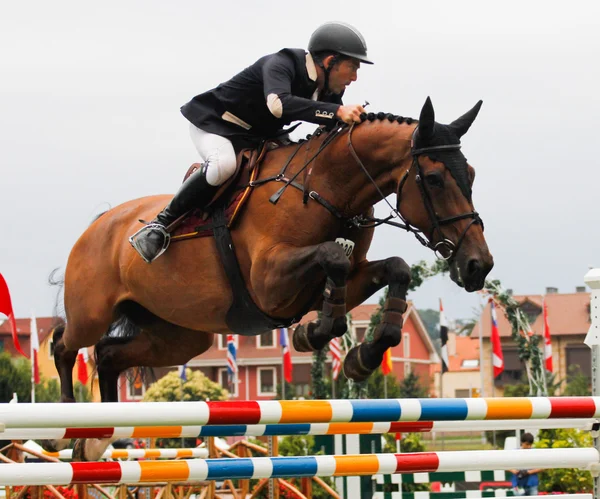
x=153 y=240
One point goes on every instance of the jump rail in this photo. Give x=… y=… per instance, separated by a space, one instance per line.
x=293 y=429
x=285 y=467
x=139 y=453
x=295 y=411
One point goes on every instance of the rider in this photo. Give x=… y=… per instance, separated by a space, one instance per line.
x=290 y=85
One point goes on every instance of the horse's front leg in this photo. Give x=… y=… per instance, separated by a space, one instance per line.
x=332 y=258
x=367 y=278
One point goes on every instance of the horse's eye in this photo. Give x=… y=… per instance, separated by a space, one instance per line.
x=434 y=180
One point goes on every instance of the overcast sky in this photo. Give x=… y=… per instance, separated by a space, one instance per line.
x=89 y=117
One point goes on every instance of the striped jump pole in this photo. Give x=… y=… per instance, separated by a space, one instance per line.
x=139 y=453
x=285 y=467
x=293 y=429
x=295 y=411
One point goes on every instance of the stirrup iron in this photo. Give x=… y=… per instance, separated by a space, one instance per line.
x=134 y=240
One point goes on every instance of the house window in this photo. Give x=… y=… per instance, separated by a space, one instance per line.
x=302 y=391
x=2 y=345
x=266 y=340
x=267 y=380
x=51 y=349
x=222 y=341
x=462 y=393
x=514 y=370
x=406 y=343
x=135 y=386
x=469 y=363
x=223 y=378
x=579 y=360
x=407 y=369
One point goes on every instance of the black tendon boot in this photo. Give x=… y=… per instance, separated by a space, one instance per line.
x=152 y=240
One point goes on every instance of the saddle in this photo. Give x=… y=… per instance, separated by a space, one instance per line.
x=232 y=196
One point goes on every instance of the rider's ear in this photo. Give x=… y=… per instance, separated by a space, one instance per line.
x=462 y=124
x=426 y=121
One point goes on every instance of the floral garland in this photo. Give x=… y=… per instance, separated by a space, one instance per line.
x=527 y=344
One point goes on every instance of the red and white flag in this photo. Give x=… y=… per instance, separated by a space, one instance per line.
x=547 y=341
x=35 y=348
x=82 y=360
x=336 y=357
x=6 y=309
x=497 y=356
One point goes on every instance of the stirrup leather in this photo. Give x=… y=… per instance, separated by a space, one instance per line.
x=144 y=232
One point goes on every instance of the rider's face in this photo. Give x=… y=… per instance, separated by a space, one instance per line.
x=342 y=74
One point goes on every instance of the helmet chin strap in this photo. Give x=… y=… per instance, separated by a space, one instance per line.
x=326 y=71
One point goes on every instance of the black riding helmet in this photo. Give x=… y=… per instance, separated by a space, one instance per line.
x=341 y=38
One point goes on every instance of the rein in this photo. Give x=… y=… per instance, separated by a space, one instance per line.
x=444 y=249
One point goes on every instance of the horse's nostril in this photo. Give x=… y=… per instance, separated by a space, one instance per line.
x=473 y=267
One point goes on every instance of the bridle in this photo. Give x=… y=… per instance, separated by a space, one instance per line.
x=444 y=248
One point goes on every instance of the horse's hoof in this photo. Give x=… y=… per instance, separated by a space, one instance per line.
x=55 y=445
x=354 y=368
x=300 y=340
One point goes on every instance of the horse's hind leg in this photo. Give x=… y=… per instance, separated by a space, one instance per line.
x=369 y=277
x=64 y=360
x=160 y=344
x=332 y=324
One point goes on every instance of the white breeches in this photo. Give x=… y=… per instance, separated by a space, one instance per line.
x=217 y=152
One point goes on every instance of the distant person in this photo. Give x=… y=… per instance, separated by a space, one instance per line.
x=290 y=85
x=525 y=482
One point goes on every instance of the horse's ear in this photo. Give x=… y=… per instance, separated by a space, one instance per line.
x=462 y=124
x=426 y=121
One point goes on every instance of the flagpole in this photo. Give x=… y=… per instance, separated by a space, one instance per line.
x=32 y=378
x=33 y=325
x=282 y=379
x=481 y=356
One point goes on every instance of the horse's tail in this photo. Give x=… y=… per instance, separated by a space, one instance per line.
x=125 y=328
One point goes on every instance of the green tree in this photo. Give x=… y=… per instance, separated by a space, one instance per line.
x=411 y=387
x=171 y=388
x=15 y=377
x=567 y=481
x=376 y=386
x=577 y=383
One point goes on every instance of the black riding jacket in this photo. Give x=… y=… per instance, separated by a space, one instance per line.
x=256 y=103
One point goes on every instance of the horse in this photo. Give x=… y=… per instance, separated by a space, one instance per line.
x=300 y=243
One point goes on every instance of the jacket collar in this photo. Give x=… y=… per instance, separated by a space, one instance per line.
x=311 y=69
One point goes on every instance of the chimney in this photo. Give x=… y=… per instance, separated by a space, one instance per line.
x=580 y=289
x=551 y=291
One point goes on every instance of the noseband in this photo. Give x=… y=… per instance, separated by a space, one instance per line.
x=444 y=248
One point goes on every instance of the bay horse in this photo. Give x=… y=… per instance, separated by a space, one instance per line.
x=286 y=250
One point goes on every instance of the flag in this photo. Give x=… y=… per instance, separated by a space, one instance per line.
x=6 y=309
x=547 y=341
x=386 y=363
x=82 y=359
x=35 y=348
x=182 y=373
x=287 y=356
x=444 y=338
x=336 y=357
x=232 y=367
x=497 y=357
